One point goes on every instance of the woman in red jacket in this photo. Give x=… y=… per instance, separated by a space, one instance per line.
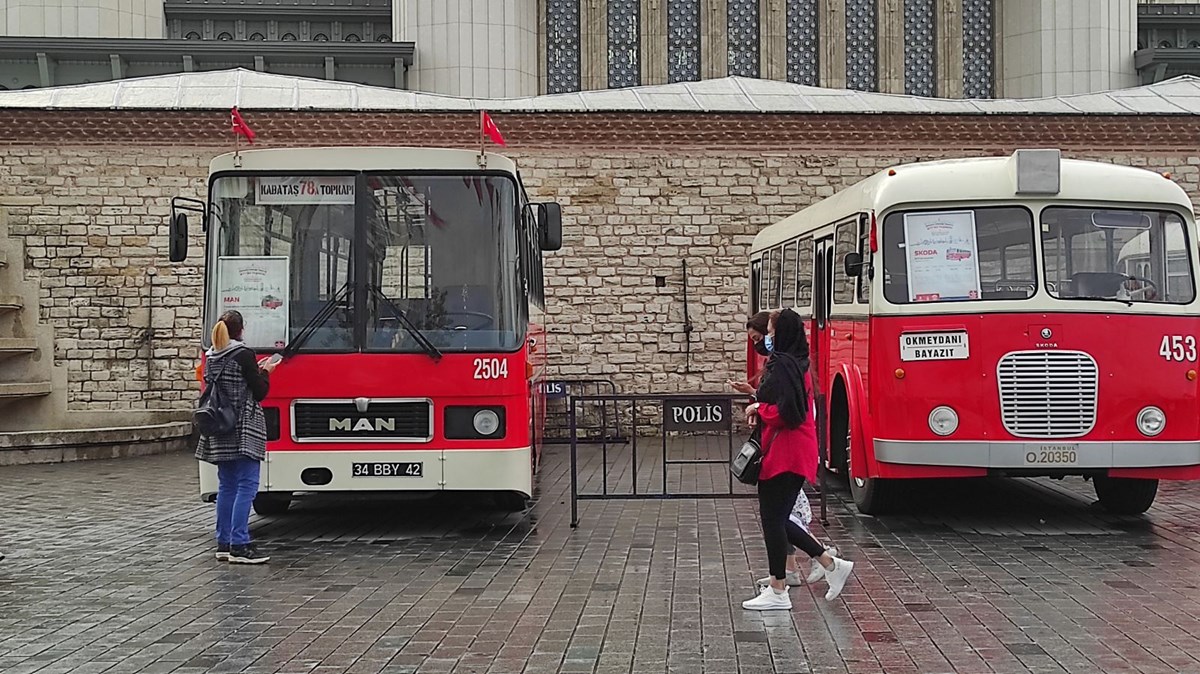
x=789 y=437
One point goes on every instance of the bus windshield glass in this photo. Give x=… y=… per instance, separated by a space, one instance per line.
x=959 y=255
x=439 y=254
x=1124 y=255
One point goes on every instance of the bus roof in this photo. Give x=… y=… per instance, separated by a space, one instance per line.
x=354 y=158
x=984 y=179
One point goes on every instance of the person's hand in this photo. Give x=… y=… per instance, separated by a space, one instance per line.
x=752 y=414
x=267 y=366
x=741 y=387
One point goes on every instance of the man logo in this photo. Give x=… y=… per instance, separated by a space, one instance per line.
x=378 y=425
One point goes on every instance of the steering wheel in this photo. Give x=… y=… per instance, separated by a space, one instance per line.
x=487 y=319
x=1148 y=288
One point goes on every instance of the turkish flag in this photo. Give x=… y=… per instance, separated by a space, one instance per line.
x=240 y=127
x=489 y=127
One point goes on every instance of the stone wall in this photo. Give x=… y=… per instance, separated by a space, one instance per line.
x=90 y=194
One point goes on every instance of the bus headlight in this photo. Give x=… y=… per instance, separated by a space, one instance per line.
x=485 y=422
x=943 y=420
x=1151 y=421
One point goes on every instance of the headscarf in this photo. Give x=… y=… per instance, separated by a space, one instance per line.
x=783 y=383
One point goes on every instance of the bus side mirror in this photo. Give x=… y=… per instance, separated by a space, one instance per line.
x=853 y=263
x=178 y=244
x=549 y=226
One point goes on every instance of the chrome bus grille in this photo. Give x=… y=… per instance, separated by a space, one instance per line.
x=1048 y=394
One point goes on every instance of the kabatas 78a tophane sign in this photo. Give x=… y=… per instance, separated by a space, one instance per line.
x=283 y=190
x=696 y=414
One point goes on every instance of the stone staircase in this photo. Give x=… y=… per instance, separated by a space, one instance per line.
x=36 y=424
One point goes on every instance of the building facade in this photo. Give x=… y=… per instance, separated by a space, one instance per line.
x=512 y=48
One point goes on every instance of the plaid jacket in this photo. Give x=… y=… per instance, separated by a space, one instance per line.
x=249 y=437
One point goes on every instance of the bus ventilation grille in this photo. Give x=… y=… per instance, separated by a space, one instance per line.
x=1048 y=394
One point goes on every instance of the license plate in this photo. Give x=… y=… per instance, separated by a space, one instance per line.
x=390 y=469
x=1052 y=455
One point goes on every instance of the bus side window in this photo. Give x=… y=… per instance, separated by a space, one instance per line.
x=846 y=240
x=789 y=274
x=756 y=287
x=804 y=275
x=864 y=249
x=774 y=262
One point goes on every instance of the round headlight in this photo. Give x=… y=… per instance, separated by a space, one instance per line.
x=486 y=422
x=1151 y=421
x=943 y=420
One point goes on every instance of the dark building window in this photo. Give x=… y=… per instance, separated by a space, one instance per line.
x=224 y=36
x=384 y=38
x=977 y=48
x=683 y=40
x=742 y=17
x=802 y=42
x=353 y=38
x=257 y=37
x=192 y=36
x=861 y=42
x=321 y=37
x=920 y=47
x=624 y=64
x=288 y=37
x=562 y=46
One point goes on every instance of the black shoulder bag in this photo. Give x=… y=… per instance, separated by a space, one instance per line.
x=747 y=463
x=214 y=415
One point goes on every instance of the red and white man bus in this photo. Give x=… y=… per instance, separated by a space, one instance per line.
x=1019 y=316
x=403 y=288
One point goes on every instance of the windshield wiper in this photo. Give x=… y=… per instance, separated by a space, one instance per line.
x=316 y=321
x=416 y=333
x=1096 y=298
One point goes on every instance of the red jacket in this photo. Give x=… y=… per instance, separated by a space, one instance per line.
x=791 y=450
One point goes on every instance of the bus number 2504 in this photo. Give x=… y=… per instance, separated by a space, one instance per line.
x=491 y=368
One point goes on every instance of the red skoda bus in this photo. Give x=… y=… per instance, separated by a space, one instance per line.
x=1019 y=316
x=403 y=289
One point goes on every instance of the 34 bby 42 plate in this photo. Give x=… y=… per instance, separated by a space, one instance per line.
x=388 y=469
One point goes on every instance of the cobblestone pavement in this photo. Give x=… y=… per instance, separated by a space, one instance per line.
x=110 y=569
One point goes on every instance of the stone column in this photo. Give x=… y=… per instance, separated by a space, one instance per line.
x=950 y=48
x=832 y=27
x=714 y=39
x=890 y=45
x=593 y=44
x=773 y=41
x=654 y=42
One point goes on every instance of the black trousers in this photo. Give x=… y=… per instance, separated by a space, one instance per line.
x=776 y=498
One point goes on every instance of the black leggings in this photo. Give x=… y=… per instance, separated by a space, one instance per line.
x=776 y=498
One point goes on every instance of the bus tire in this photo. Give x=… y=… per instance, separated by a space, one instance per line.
x=872 y=495
x=1124 y=495
x=511 y=501
x=272 y=503
x=839 y=432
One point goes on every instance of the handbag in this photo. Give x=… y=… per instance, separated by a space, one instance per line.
x=746 y=465
x=214 y=415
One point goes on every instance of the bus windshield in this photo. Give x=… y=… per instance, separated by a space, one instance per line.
x=1125 y=255
x=438 y=254
x=966 y=254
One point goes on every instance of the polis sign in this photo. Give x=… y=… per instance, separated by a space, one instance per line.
x=696 y=414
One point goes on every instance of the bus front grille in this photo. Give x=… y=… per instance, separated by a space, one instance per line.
x=380 y=421
x=1048 y=394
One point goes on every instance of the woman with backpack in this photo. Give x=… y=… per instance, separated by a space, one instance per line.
x=241 y=383
x=789 y=437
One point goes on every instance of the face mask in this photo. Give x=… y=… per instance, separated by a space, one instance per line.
x=769 y=342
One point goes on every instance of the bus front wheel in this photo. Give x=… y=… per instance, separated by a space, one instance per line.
x=270 y=504
x=1125 y=496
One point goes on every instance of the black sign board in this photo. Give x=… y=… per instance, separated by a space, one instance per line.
x=696 y=414
x=554 y=389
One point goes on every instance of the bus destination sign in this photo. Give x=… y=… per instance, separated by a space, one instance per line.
x=934 y=346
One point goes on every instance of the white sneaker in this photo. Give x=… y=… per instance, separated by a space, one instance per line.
x=769 y=600
x=792 y=578
x=818 y=571
x=837 y=577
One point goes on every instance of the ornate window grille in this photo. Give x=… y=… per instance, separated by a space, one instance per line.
x=978 y=55
x=562 y=46
x=920 y=47
x=862 y=72
x=624 y=28
x=802 y=42
x=683 y=40
x=742 y=17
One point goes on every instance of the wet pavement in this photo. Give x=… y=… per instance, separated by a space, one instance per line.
x=110 y=569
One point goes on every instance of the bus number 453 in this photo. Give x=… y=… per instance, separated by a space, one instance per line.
x=1176 y=347
x=491 y=368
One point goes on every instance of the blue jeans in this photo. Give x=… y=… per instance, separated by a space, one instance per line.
x=237 y=484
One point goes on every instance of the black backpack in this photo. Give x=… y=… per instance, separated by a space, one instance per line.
x=213 y=415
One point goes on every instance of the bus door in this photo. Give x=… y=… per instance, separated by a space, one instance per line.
x=822 y=299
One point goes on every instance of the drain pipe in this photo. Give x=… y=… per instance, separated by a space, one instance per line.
x=149 y=337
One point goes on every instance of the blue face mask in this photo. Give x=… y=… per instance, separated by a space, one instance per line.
x=769 y=341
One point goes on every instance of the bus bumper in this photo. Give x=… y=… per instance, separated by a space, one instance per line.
x=441 y=470
x=1049 y=456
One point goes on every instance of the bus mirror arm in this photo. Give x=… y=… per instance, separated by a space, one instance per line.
x=853 y=264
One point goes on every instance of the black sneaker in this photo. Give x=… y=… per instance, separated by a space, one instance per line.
x=222 y=552
x=246 y=554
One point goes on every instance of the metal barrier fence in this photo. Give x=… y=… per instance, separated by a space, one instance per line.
x=679 y=446
x=596 y=422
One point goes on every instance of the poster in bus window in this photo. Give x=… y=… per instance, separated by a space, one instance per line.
x=943 y=257
x=257 y=287
x=288 y=190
